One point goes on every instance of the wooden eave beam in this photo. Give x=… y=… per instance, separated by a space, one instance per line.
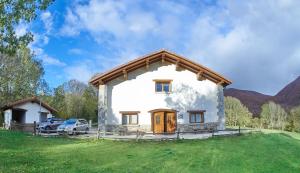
x=163 y=58
x=221 y=82
x=125 y=74
x=193 y=65
x=147 y=64
x=177 y=65
x=200 y=75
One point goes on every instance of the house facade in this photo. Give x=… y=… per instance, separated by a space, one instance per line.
x=25 y=112
x=160 y=93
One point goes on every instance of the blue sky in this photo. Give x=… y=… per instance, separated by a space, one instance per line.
x=254 y=43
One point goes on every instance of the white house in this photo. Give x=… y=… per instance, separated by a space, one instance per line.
x=159 y=93
x=26 y=111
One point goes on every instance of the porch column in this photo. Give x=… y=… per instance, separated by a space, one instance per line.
x=221 y=113
x=102 y=108
x=7 y=118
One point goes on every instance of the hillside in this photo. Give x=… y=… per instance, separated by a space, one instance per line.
x=251 y=99
x=288 y=97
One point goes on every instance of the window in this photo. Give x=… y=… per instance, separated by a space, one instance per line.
x=83 y=121
x=130 y=118
x=196 y=116
x=157 y=119
x=163 y=86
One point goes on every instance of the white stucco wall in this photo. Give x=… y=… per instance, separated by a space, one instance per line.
x=33 y=111
x=7 y=118
x=138 y=94
x=32 y=114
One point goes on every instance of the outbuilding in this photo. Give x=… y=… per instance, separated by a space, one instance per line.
x=23 y=113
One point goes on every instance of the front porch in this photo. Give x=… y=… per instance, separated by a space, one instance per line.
x=123 y=130
x=155 y=137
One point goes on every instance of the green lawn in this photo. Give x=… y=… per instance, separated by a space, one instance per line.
x=260 y=152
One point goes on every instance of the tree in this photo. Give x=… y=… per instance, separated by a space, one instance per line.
x=236 y=113
x=58 y=101
x=256 y=123
x=75 y=99
x=12 y=13
x=294 y=120
x=21 y=76
x=90 y=103
x=273 y=116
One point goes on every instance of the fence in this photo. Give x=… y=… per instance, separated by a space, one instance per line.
x=94 y=132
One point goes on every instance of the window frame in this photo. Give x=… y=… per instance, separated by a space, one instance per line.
x=129 y=114
x=194 y=113
x=163 y=82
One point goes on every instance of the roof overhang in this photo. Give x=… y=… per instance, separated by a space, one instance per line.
x=31 y=99
x=163 y=55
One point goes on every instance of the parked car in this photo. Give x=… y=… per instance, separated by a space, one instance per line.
x=50 y=125
x=73 y=126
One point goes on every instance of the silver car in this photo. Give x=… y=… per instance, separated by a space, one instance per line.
x=73 y=126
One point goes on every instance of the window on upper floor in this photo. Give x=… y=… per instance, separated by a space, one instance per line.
x=163 y=86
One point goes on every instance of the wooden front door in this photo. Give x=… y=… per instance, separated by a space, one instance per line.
x=171 y=122
x=164 y=122
x=158 y=122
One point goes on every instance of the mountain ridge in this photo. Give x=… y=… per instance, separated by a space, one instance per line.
x=288 y=97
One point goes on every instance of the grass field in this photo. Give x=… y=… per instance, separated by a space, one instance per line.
x=271 y=152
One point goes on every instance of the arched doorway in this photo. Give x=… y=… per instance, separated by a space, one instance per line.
x=163 y=121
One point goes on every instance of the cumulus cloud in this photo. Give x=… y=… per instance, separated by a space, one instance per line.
x=76 y=51
x=81 y=72
x=45 y=58
x=254 y=43
x=47 y=20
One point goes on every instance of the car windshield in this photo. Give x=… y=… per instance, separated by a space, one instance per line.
x=70 y=121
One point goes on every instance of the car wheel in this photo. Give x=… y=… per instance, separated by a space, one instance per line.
x=86 y=130
x=48 y=129
x=74 y=132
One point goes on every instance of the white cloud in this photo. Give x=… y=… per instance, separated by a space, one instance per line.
x=81 y=72
x=52 y=61
x=45 y=58
x=47 y=20
x=72 y=26
x=254 y=43
x=76 y=51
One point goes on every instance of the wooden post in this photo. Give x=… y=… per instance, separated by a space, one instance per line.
x=137 y=136
x=90 y=124
x=239 y=129
x=34 y=128
x=98 y=133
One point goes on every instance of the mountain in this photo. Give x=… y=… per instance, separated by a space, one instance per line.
x=251 y=99
x=288 y=97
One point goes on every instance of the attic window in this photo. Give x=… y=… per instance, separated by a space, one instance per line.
x=163 y=86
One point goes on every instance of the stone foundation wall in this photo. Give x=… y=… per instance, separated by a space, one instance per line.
x=195 y=127
x=127 y=128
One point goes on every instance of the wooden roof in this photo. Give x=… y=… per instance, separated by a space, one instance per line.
x=31 y=99
x=162 y=55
